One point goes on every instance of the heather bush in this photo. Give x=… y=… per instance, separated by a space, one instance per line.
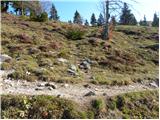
x=75 y=33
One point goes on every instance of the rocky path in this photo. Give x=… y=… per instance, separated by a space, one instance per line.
x=78 y=92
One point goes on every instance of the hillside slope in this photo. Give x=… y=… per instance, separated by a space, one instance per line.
x=131 y=56
x=101 y=79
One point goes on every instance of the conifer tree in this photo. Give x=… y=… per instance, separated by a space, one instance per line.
x=155 y=22
x=53 y=13
x=86 y=23
x=93 y=20
x=77 y=18
x=144 y=22
x=100 y=20
x=127 y=18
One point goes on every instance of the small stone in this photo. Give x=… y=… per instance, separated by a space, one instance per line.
x=71 y=72
x=50 y=88
x=41 y=84
x=104 y=94
x=66 y=85
x=39 y=88
x=73 y=67
x=96 y=89
x=91 y=93
x=59 y=95
x=51 y=85
x=87 y=86
x=153 y=84
x=62 y=60
x=4 y=57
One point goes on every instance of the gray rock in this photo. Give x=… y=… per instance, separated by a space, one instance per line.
x=73 y=67
x=33 y=50
x=153 y=84
x=41 y=84
x=51 y=85
x=66 y=85
x=87 y=86
x=86 y=64
x=59 y=95
x=4 y=57
x=50 y=88
x=62 y=60
x=39 y=88
x=72 y=72
x=91 y=93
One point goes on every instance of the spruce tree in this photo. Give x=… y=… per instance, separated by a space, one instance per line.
x=77 y=18
x=53 y=13
x=100 y=20
x=93 y=20
x=127 y=18
x=86 y=23
x=155 y=22
x=144 y=22
x=132 y=20
x=69 y=21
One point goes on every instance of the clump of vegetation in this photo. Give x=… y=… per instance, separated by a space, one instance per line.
x=137 y=105
x=40 y=107
x=75 y=33
x=43 y=17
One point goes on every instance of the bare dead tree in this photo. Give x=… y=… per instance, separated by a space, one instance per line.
x=109 y=7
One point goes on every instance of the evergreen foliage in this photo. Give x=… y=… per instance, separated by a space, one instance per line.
x=53 y=13
x=100 y=20
x=155 y=22
x=127 y=18
x=93 y=20
x=77 y=18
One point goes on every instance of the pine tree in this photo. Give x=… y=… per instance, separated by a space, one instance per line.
x=144 y=22
x=77 y=18
x=54 y=14
x=132 y=20
x=155 y=22
x=86 y=23
x=93 y=20
x=127 y=18
x=100 y=20
x=69 y=21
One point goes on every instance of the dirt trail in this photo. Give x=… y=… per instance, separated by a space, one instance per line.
x=74 y=92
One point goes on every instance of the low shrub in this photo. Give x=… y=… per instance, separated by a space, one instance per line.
x=43 y=17
x=75 y=33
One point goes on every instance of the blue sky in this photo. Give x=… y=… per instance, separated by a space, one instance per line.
x=67 y=8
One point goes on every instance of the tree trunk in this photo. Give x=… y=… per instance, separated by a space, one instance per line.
x=106 y=28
